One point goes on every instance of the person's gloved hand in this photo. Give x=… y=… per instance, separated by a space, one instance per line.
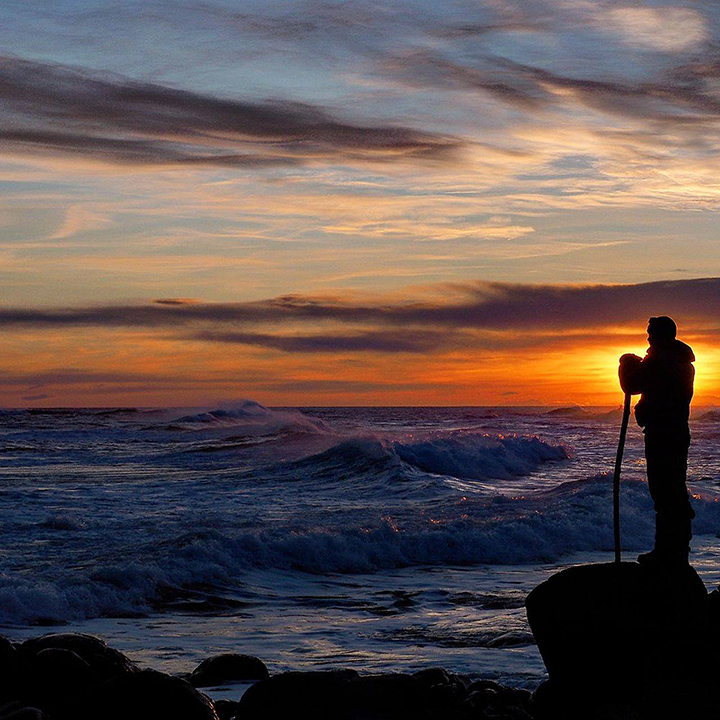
x=630 y=359
x=629 y=365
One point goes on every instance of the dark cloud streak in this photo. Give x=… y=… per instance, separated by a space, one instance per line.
x=682 y=95
x=380 y=341
x=506 y=313
x=61 y=110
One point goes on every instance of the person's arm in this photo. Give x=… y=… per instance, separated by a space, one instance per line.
x=631 y=373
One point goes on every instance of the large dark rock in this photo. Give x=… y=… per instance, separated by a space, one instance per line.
x=150 y=695
x=292 y=691
x=57 y=680
x=61 y=671
x=395 y=695
x=228 y=667
x=608 y=632
x=19 y=711
x=10 y=671
x=104 y=661
x=336 y=695
x=226 y=709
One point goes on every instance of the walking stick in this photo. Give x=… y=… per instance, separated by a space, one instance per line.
x=616 y=478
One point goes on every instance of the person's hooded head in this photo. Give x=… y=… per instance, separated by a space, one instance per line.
x=661 y=330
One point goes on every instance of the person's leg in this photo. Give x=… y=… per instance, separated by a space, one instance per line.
x=666 y=455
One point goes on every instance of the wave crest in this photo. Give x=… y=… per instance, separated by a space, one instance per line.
x=463 y=455
x=251 y=417
x=542 y=527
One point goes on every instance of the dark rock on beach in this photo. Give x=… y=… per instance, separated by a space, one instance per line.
x=287 y=692
x=18 y=711
x=624 y=641
x=226 y=709
x=57 y=678
x=151 y=695
x=68 y=676
x=432 y=694
x=55 y=673
x=228 y=667
x=104 y=661
x=10 y=670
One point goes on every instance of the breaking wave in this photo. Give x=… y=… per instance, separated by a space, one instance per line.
x=373 y=466
x=540 y=527
x=251 y=417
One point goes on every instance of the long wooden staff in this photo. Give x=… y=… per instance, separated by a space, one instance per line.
x=616 y=478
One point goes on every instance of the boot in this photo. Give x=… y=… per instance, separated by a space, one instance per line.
x=658 y=557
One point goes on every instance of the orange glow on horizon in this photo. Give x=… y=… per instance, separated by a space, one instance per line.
x=122 y=367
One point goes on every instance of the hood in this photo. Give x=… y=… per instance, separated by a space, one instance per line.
x=684 y=352
x=678 y=349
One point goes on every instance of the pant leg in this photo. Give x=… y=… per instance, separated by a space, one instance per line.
x=666 y=453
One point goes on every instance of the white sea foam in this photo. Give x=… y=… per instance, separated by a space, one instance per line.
x=480 y=456
x=539 y=527
x=467 y=455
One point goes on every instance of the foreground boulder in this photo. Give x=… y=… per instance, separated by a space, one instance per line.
x=151 y=695
x=69 y=676
x=622 y=638
x=57 y=673
x=286 y=693
x=431 y=694
x=228 y=667
x=104 y=661
x=19 y=711
x=10 y=671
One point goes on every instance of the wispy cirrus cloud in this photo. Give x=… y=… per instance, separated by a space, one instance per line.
x=61 y=110
x=684 y=93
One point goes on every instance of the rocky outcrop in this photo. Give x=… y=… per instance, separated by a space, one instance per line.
x=150 y=695
x=68 y=676
x=621 y=640
x=432 y=694
x=103 y=661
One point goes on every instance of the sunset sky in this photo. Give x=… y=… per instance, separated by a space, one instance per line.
x=354 y=203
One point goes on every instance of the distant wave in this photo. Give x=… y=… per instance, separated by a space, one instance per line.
x=251 y=417
x=709 y=416
x=579 y=413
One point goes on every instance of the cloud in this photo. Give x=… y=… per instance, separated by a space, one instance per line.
x=71 y=376
x=378 y=341
x=446 y=230
x=428 y=68
x=479 y=314
x=79 y=219
x=65 y=111
x=667 y=29
x=671 y=95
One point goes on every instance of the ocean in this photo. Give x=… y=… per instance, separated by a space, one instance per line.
x=380 y=539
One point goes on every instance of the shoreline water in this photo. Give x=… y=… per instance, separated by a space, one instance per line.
x=490 y=642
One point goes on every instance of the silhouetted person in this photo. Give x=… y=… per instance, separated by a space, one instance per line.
x=665 y=378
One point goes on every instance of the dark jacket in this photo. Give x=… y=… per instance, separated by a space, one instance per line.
x=665 y=378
